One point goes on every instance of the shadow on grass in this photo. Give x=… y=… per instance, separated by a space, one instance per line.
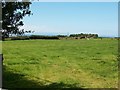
x=18 y=81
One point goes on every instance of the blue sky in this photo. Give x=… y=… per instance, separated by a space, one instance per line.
x=73 y=17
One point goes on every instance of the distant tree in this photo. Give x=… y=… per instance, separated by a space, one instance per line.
x=81 y=35
x=62 y=35
x=12 y=15
x=96 y=35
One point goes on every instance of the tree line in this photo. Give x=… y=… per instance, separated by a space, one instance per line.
x=71 y=36
x=82 y=35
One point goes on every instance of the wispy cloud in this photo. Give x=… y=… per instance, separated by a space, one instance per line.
x=35 y=28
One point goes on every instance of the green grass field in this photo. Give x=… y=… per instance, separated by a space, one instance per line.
x=60 y=63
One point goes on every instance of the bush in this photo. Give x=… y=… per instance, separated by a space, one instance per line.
x=43 y=37
x=20 y=38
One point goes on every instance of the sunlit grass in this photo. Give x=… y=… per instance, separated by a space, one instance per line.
x=85 y=63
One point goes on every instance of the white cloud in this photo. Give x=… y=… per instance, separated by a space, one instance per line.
x=34 y=28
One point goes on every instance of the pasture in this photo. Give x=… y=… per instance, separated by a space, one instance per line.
x=60 y=63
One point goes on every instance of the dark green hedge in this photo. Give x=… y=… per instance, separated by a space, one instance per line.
x=34 y=37
x=43 y=37
x=20 y=38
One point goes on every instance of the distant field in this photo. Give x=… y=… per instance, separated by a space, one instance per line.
x=60 y=63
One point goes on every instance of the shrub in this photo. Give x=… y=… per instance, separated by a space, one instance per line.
x=20 y=38
x=43 y=37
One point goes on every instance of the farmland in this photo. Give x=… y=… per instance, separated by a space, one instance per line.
x=60 y=63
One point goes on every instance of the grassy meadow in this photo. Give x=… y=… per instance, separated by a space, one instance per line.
x=60 y=63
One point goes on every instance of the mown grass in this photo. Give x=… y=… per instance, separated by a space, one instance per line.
x=60 y=63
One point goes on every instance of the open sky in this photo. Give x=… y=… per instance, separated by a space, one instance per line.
x=73 y=17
